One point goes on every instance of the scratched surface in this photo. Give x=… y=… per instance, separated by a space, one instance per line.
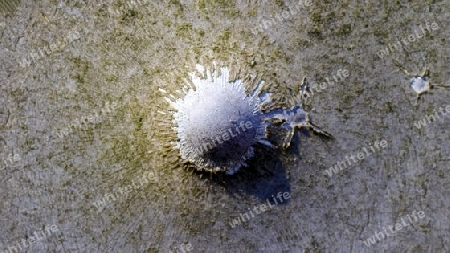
x=86 y=139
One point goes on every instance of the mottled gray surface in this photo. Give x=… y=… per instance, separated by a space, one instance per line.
x=96 y=54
